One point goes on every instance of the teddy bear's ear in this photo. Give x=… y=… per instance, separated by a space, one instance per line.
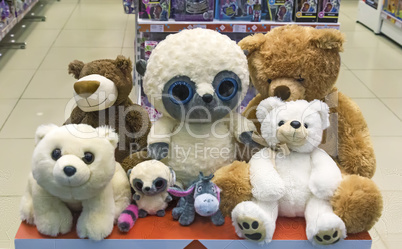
x=266 y=106
x=252 y=43
x=125 y=64
x=75 y=68
x=42 y=130
x=323 y=109
x=108 y=133
x=328 y=39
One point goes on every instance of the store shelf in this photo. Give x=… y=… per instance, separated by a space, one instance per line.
x=391 y=27
x=386 y=16
x=15 y=20
x=222 y=26
x=164 y=232
x=369 y=16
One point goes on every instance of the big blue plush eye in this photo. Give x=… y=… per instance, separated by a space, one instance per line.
x=180 y=92
x=227 y=89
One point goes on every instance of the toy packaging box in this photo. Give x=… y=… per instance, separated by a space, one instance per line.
x=391 y=7
x=255 y=10
x=399 y=12
x=281 y=10
x=328 y=10
x=154 y=10
x=306 y=11
x=193 y=10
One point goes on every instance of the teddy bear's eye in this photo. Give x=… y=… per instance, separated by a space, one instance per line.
x=281 y=123
x=88 y=158
x=300 y=79
x=269 y=81
x=138 y=185
x=56 y=154
x=305 y=125
x=199 y=189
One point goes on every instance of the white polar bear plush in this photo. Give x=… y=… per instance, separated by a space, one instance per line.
x=298 y=183
x=74 y=169
x=196 y=78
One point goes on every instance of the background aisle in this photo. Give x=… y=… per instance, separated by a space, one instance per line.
x=35 y=89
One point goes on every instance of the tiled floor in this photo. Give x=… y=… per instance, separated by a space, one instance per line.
x=35 y=88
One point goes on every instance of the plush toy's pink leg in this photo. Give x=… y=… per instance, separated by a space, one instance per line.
x=127 y=218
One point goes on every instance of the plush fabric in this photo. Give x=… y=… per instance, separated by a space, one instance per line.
x=150 y=181
x=74 y=169
x=295 y=62
x=198 y=135
x=105 y=85
x=298 y=183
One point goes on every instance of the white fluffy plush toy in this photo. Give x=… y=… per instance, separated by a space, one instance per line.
x=294 y=182
x=74 y=169
x=151 y=180
x=196 y=78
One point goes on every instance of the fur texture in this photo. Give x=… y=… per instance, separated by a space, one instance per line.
x=110 y=105
x=292 y=185
x=150 y=181
x=306 y=62
x=74 y=169
x=193 y=144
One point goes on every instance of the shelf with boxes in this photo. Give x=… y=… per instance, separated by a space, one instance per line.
x=382 y=17
x=12 y=12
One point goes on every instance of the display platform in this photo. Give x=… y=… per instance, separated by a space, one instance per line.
x=156 y=232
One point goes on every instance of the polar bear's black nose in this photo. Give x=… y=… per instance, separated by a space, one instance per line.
x=207 y=98
x=69 y=170
x=295 y=124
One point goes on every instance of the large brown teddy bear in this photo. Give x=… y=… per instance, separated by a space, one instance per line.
x=102 y=97
x=294 y=62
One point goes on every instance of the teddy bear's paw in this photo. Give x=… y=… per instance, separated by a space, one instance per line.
x=97 y=231
x=54 y=223
x=330 y=229
x=251 y=222
x=251 y=228
x=95 y=226
x=328 y=237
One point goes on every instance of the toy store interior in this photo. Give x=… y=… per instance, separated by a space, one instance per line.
x=200 y=124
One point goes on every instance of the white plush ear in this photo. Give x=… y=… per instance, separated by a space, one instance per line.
x=42 y=130
x=322 y=109
x=266 y=106
x=108 y=133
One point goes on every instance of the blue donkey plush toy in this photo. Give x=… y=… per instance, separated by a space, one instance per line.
x=202 y=197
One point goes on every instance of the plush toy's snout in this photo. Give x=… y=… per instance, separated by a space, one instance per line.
x=292 y=132
x=71 y=171
x=286 y=89
x=86 y=88
x=206 y=204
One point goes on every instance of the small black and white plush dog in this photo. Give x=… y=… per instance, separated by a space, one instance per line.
x=202 y=197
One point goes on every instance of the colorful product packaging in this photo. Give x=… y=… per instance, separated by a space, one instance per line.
x=193 y=10
x=155 y=10
x=328 y=11
x=306 y=10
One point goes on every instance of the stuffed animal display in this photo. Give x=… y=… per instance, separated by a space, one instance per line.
x=296 y=182
x=196 y=78
x=102 y=97
x=295 y=62
x=202 y=197
x=74 y=169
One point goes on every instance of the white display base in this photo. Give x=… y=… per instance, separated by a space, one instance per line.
x=392 y=31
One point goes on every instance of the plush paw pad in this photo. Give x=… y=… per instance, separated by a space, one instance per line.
x=328 y=237
x=252 y=229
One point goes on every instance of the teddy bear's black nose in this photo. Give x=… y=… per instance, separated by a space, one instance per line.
x=295 y=124
x=147 y=188
x=207 y=98
x=69 y=170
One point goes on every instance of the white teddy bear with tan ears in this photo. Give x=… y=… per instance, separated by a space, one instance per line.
x=298 y=180
x=74 y=169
